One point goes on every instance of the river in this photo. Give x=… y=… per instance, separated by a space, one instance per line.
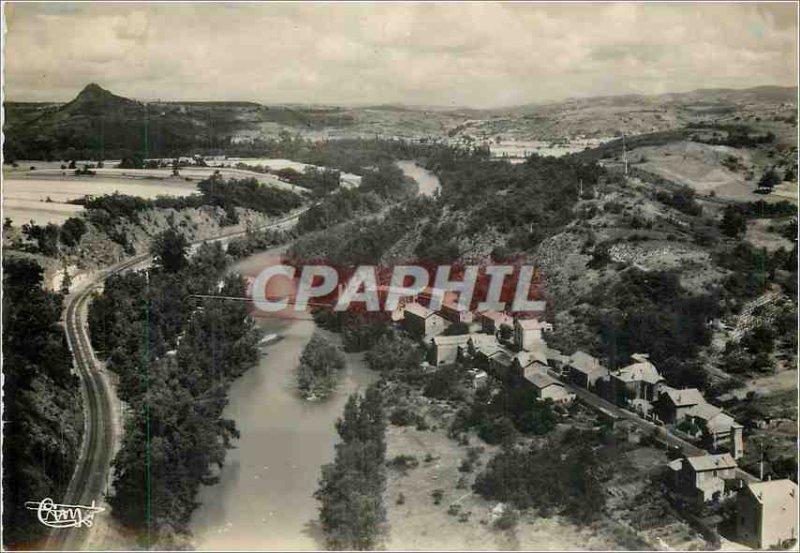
x=264 y=498
x=428 y=182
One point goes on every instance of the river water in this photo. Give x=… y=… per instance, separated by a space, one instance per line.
x=428 y=182
x=264 y=499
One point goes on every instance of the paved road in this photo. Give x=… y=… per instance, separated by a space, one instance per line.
x=603 y=405
x=89 y=481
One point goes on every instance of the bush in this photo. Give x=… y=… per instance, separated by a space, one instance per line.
x=403 y=462
x=508 y=520
x=403 y=416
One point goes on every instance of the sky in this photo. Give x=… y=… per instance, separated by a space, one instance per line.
x=446 y=54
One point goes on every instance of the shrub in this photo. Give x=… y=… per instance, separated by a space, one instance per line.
x=508 y=520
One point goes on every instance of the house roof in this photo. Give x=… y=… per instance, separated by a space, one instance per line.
x=541 y=379
x=774 y=494
x=583 y=361
x=458 y=340
x=701 y=463
x=526 y=358
x=704 y=411
x=684 y=398
x=502 y=357
x=419 y=310
x=537 y=306
x=480 y=341
x=495 y=316
x=720 y=423
x=642 y=371
x=532 y=324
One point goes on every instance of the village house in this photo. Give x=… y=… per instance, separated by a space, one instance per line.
x=491 y=321
x=447 y=349
x=403 y=298
x=546 y=387
x=717 y=428
x=702 y=478
x=528 y=333
x=766 y=513
x=673 y=405
x=585 y=370
x=479 y=343
x=556 y=360
x=450 y=311
x=501 y=364
x=421 y=322
x=638 y=384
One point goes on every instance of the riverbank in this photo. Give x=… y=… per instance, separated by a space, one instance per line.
x=264 y=498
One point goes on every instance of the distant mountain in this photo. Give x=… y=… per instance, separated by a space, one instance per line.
x=98 y=124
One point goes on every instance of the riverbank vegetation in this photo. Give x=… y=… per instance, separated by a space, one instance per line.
x=42 y=416
x=350 y=492
x=321 y=364
x=175 y=357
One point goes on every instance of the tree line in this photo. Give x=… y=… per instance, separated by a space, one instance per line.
x=175 y=356
x=42 y=415
x=350 y=492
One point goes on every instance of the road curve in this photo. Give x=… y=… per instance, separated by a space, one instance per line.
x=89 y=480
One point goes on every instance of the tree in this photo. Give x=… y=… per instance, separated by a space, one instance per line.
x=351 y=488
x=72 y=231
x=734 y=223
x=46 y=237
x=169 y=249
x=769 y=180
x=319 y=368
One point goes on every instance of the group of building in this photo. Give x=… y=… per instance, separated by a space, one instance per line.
x=513 y=349
x=766 y=511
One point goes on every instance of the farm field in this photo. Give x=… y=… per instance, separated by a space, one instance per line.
x=41 y=195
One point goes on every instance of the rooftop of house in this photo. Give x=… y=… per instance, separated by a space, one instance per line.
x=457 y=340
x=640 y=371
x=585 y=363
x=704 y=411
x=532 y=324
x=419 y=310
x=540 y=379
x=431 y=292
x=556 y=355
x=495 y=316
x=774 y=494
x=483 y=340
x=502 y=357
x=702 y=463
x=723 y=422
x=526 y=358
x=684 y=398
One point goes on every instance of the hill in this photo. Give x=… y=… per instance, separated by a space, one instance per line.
x=100 y=124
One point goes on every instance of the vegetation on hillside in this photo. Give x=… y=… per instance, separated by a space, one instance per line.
x=42 y=416
x=552 y=478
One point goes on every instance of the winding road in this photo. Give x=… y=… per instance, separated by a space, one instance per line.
x=90 y=479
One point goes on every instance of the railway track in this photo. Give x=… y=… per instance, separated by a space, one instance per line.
x=90 y=479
